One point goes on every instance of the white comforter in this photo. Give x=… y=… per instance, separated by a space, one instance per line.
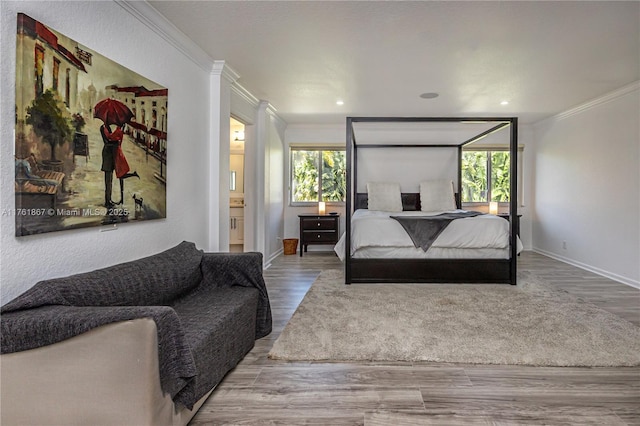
x=373 y=229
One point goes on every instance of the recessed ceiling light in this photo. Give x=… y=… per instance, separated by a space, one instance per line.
x=504 y=103
x=339 y=102
x=429 y=95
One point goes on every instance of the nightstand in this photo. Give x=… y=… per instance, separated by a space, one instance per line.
x=318 y=229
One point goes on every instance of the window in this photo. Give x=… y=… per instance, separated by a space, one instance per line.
x=56 y=72
x=67 y=87
x=39 y=70
x=486 y=174
x=317 y=174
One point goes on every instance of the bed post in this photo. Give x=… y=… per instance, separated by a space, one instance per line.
x=459 y=197
x=513 y=198
x=350 y=195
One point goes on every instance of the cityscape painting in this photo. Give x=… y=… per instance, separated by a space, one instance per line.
x=90 y=139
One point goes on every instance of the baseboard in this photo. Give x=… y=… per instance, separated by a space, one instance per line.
x=271 y=258
x=602 y=272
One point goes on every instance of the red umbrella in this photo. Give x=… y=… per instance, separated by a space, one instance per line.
x=112 y=111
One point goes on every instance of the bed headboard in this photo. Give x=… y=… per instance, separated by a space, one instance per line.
x=410 y=201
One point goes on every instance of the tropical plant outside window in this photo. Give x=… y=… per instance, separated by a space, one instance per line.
x=318 y=175
x=485 y=176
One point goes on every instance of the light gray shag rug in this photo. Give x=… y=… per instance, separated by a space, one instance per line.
x=528 y=324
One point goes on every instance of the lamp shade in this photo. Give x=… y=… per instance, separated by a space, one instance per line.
x=322 y=207
x=493 y=207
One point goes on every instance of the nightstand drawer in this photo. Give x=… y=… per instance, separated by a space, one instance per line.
x=318 y=229
x=320 y=237
x=318 y=224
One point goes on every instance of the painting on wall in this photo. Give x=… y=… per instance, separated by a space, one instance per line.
x=90 y=139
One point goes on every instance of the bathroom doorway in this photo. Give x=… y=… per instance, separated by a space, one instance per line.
x=236 y=187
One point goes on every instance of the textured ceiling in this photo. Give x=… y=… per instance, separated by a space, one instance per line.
x=378 y=57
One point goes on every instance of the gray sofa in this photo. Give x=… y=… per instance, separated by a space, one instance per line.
x=143 y=342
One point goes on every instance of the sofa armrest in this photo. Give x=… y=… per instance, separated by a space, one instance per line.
x=221 y=270
x=106 y=376
x=38 y=327
x=229 y=269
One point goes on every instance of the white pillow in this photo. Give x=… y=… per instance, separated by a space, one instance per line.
x=437 y=196
x=384 y=196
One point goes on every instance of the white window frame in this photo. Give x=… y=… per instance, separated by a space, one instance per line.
x=497 y=148
x=311 y=147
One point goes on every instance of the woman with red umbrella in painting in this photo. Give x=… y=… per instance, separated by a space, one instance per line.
x=113 y=112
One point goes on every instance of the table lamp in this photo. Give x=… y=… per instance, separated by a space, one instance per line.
x=493 y=207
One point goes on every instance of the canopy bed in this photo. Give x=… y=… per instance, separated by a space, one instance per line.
x=384 y=224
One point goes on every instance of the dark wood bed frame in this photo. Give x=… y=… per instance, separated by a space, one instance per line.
x=429 y=270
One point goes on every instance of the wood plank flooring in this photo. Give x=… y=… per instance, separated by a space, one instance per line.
x=260 y=391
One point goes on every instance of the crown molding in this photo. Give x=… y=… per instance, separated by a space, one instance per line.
x=271 y=112
x=222 y=69
x=279 y=121
x=271 y=109
x=155 y=21
x=244 y=94
x=594 y=102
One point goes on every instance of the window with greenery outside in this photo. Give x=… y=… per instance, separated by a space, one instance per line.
x=318 y=175
x=485 y=176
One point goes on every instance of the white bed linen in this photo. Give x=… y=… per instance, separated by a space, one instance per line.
x=375 y=234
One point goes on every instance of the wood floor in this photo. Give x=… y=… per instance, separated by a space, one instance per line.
x=260 y=391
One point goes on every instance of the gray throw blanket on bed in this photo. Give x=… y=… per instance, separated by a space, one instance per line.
x=58 y=309
x=424 y=230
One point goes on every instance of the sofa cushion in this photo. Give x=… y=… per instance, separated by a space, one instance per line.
x=150 y=281
x=220 y=326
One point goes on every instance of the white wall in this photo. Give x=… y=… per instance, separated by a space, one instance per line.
x=406 y=166
x=587 y=186
x=110 y=30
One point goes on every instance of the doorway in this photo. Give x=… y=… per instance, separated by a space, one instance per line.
x=236 y=187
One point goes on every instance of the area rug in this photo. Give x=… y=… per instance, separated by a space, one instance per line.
x=532 y=323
